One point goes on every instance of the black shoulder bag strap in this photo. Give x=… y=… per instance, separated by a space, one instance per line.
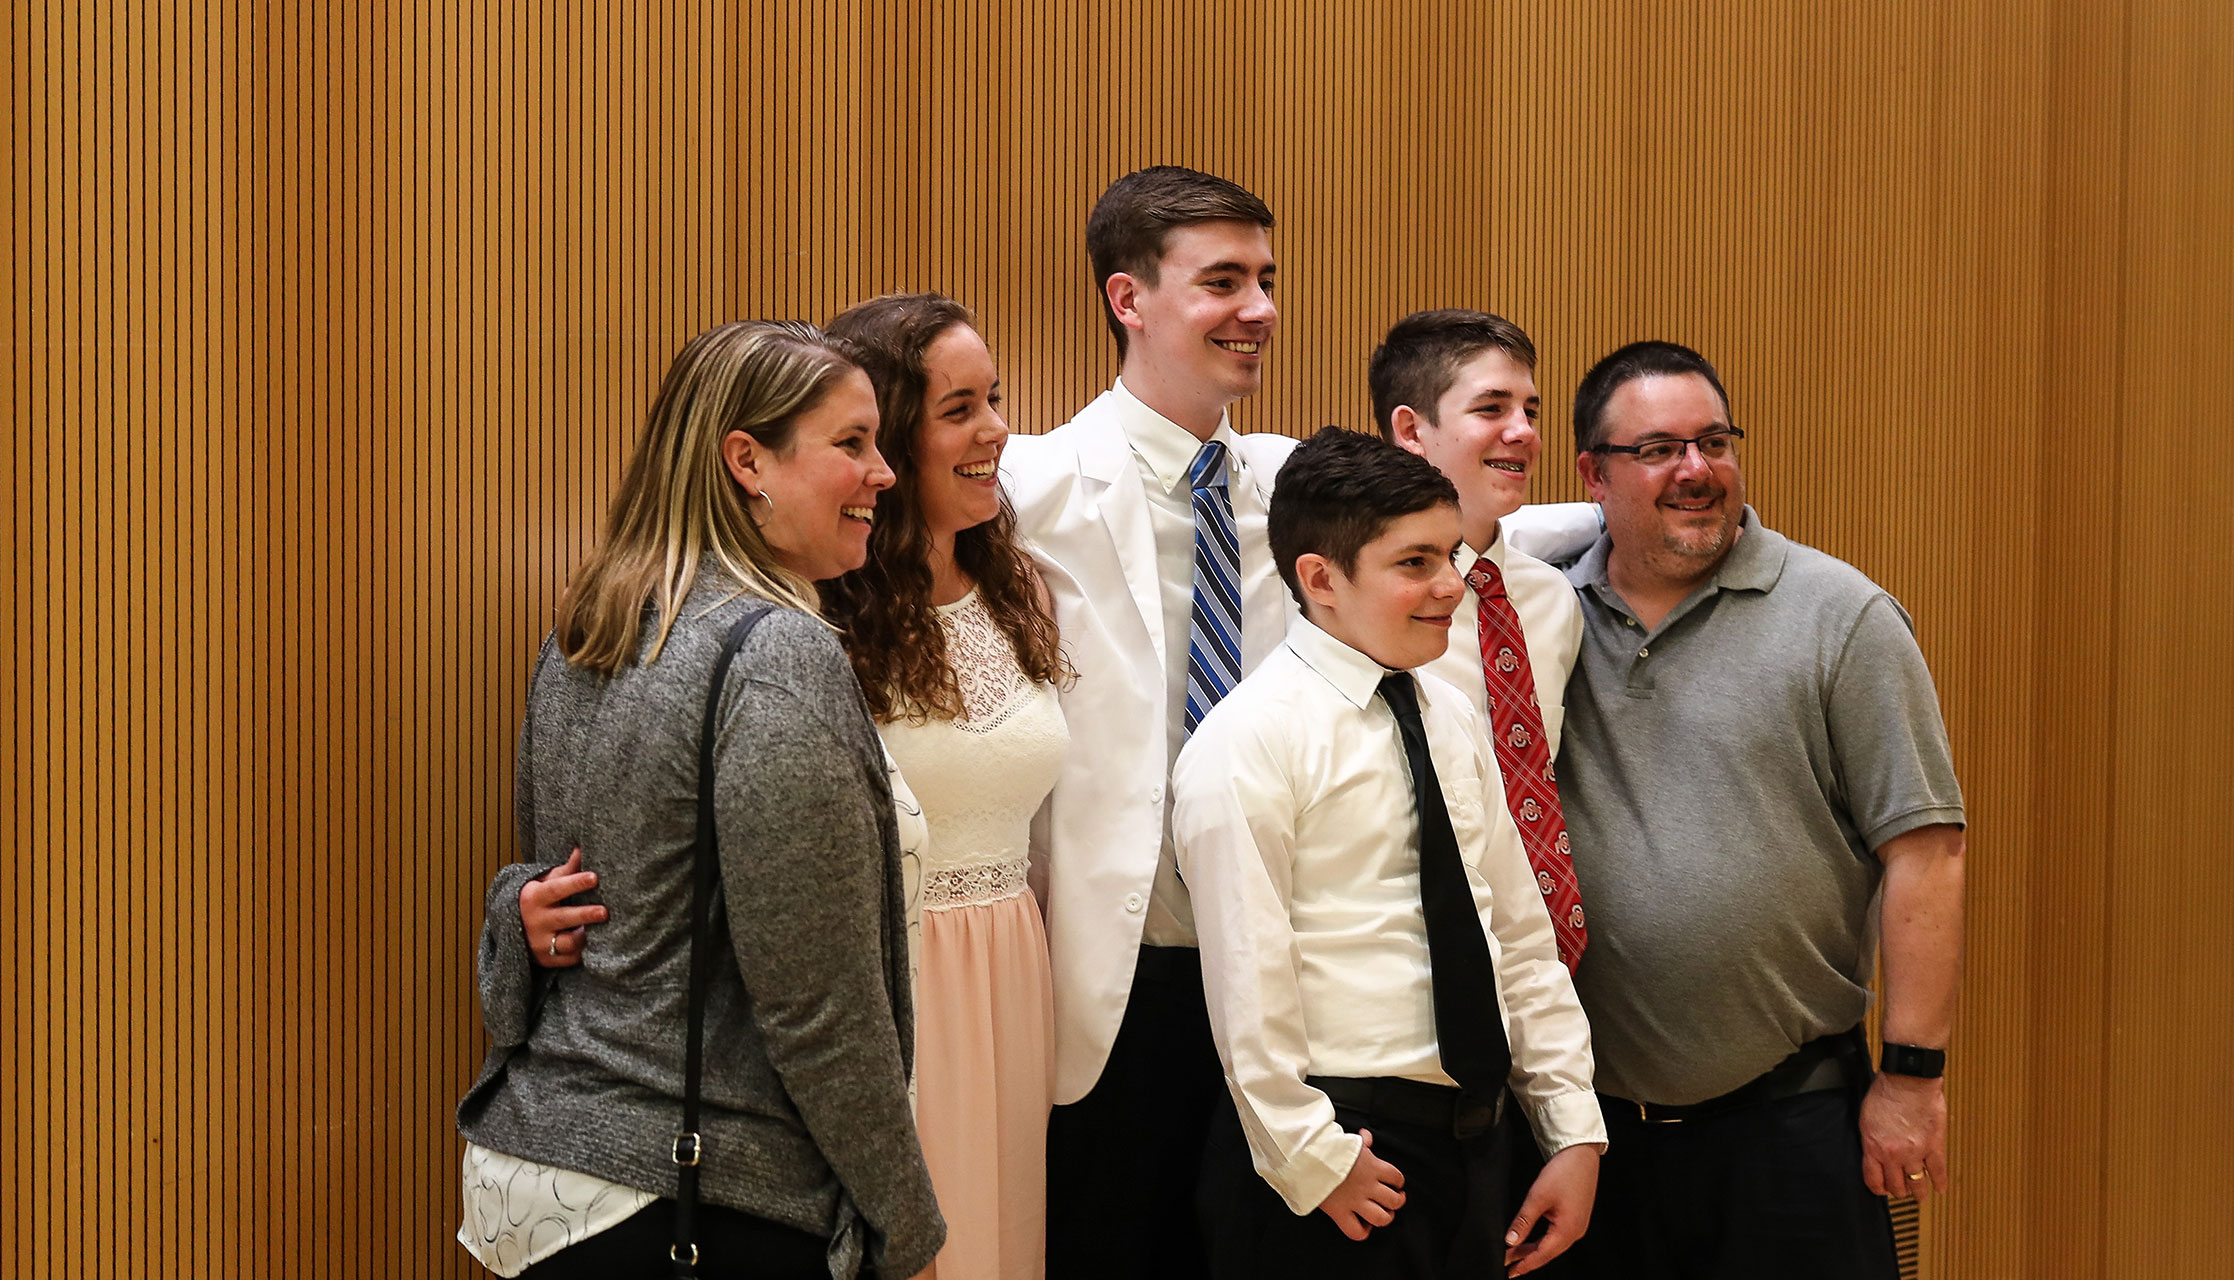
x=705 y=880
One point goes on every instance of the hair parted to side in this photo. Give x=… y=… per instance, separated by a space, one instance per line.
x=678 y=503
x=1627 y=364
x=1341 y=489
x=1418 y=361
x=1137 y=214
x=883 y=609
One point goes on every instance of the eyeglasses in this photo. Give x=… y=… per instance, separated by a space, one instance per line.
x=1714 y=446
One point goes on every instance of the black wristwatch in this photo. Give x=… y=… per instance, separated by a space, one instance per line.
x=1908 y=1060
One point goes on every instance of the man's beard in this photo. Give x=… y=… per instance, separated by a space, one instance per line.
x=1695 y=543
x=1699 y=544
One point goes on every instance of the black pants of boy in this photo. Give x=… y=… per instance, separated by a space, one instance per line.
x=730 y=1244
x=1254 y=1236
x=1771 y=1189
x=1121 y=1161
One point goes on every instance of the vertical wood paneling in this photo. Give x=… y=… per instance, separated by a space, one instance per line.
x=331 y=327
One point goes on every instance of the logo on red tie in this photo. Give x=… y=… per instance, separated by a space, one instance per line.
x=1506 y=662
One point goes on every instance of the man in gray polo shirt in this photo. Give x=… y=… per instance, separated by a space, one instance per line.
x=1754 y=771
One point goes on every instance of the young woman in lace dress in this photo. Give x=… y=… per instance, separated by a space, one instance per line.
x=949 y=632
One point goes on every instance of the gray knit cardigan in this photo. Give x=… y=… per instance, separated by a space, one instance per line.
x=809 y=1031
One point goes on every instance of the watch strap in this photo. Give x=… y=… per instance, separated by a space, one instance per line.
x=1910 y=1060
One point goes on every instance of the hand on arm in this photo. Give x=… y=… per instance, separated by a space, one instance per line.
x=556 y=931
x=1904 y=1118
x=1370 y=1193
x=1560 y=1198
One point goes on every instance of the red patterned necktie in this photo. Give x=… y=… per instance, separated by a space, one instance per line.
x=1516 y=727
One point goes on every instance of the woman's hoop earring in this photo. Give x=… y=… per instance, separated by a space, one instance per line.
x=771 y=502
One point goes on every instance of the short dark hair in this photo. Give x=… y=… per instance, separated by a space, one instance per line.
x=1340 y=490
x=1418 y=360
x=1137 y=214
x=1637 y=360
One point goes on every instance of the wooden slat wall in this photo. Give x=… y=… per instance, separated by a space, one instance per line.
x=330 y=327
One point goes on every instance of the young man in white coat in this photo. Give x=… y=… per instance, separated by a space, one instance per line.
x=1150 y=512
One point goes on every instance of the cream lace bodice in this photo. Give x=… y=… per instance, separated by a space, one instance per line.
x=981 y=777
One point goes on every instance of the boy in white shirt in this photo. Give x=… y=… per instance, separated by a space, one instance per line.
x=1377 y=965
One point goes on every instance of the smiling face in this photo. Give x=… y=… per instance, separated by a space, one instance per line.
x=1481 y=433
x=1199 y=334
x=1670 y=525
x=958 y=446
x=1394 y=605
x=820 y=490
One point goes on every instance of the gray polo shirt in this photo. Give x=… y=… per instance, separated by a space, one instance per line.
x=1726 y=776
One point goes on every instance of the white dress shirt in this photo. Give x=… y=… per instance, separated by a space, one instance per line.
x=1299 y=840
x=1164 y=451
x=1550 y=620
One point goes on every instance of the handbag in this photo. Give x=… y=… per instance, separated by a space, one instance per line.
x=705 y=881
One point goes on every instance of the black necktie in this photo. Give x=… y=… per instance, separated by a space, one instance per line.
x=1469 y=1031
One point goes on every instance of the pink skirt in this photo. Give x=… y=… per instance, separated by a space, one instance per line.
x=985 y=1076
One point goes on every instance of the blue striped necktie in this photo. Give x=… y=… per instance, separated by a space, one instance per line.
x=1214 y=638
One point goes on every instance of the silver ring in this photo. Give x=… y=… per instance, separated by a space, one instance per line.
x=554 y=955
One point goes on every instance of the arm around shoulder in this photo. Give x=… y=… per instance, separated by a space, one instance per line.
x=1554 y=532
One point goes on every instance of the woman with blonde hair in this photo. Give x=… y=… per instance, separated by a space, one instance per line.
x=949 y=630
x=699 y=777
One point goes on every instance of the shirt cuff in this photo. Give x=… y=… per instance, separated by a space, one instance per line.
x=1565 y=1120
x=1306 y=1181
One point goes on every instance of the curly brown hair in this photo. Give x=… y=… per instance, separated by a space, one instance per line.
x=883 y=609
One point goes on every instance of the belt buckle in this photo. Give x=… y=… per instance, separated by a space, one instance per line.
x=1472 y=1119
x=1644 y=1113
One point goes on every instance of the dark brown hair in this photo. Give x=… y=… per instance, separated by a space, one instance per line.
x=1637 y=360
x=1418 y=360
x=883 y=609
x=1341 y=489
x=1129 y=224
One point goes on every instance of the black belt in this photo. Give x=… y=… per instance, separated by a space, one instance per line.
x=1445 y=1107
x=1832 y=1062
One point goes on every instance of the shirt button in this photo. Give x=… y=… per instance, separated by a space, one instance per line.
x=1133 y=903
x=1628 y=622
x=1155 y=795
x=1644 y=653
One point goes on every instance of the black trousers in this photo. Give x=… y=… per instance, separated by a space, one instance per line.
x=730 y=1244
x=1254 y=1236
x=1772 y=1189
x=1122 y=1161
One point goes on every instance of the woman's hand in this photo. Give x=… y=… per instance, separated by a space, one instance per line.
x=556 y=932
